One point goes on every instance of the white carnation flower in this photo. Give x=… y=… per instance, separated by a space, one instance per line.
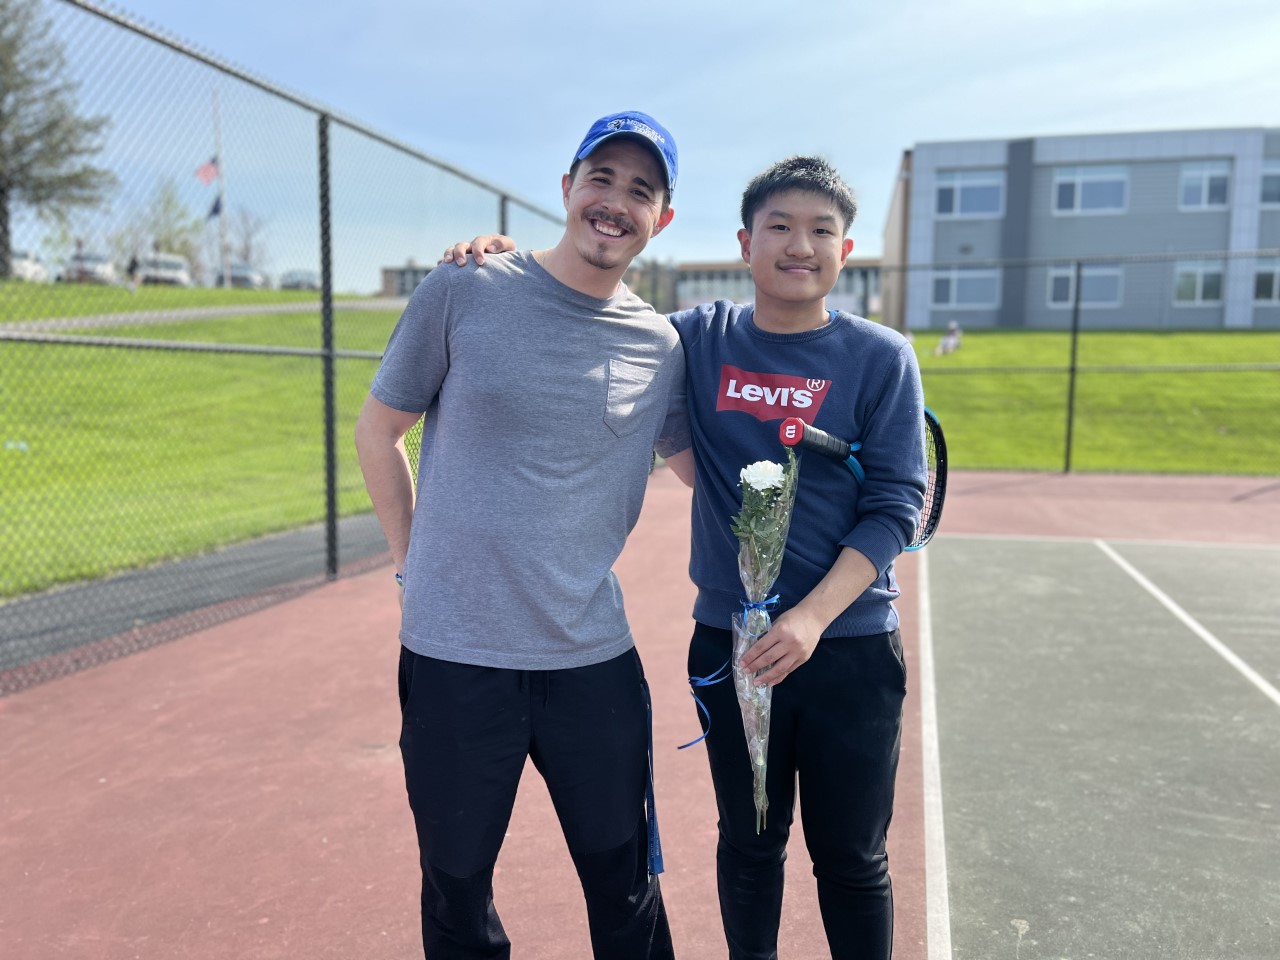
x=763 y=475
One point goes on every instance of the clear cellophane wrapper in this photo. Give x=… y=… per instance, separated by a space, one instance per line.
x=759 y=563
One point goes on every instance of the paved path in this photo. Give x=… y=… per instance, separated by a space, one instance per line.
x=113 y=615
x=143 y=318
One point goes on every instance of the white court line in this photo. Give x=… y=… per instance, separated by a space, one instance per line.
x=1214 y=643
x=1082 y=538
x=937 y=901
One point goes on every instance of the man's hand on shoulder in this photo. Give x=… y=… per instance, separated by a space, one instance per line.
x=477 y=248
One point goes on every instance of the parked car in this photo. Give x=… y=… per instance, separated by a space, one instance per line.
x=25 y=265
x=164 y=269
x=243 y=277
x=88 y=268
x=300 y=280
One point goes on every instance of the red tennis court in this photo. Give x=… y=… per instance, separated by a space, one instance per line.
x=238 y=792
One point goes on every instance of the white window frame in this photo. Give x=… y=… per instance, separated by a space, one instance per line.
x=1204 y=171
x=1270 y=168
x=956 y=180
x=1200 y=268
x=1078 y=176
x=1085 y=272
x=953 y=274
x=1270 y=265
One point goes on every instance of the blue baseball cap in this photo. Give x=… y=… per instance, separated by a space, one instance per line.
x=637 y=126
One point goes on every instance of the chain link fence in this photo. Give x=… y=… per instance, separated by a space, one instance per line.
x=1157 y=363
x=198 y=273
x=199 y=277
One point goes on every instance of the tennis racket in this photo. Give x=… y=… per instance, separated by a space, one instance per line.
x=796 y=433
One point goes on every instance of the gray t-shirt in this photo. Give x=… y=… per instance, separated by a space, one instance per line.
x=543 y=408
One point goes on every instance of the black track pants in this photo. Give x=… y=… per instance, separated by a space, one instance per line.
x=836 y=724
x=466 y=733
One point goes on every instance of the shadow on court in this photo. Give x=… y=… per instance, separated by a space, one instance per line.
x=238 y=792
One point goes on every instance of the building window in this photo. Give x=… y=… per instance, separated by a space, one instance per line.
x=1266 y=282
x=1197 y=282
x=1204 y=185
x=1271 y=183
x=1099 y=286
x=966 y=288
x=1089 y=190
x=970 y=193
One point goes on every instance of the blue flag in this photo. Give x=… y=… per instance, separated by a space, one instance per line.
x=216 y=209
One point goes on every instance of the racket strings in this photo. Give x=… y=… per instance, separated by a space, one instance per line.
x=935 y=469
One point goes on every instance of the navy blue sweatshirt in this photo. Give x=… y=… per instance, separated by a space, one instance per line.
x=852 y=378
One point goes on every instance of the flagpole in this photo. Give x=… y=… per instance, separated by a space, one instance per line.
x=222 y=203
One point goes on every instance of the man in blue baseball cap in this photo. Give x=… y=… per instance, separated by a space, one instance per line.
x=606 y=231
x=637 y=126
x=544 y=386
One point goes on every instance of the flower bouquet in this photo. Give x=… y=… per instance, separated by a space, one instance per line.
x=768 y=495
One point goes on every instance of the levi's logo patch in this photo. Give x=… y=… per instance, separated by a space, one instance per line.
x=770 y=396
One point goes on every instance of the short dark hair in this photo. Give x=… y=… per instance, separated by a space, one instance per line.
x=666 y=194
x=811 y=174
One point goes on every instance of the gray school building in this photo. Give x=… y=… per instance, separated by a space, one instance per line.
x=856 y=291
x=1174 y=230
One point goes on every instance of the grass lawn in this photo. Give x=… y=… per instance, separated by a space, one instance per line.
x=1175 y=422
x=112 y=459
x=352 y=330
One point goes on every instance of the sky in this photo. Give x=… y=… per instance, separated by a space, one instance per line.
x=507 y=89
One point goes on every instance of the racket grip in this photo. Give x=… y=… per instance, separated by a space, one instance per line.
x=794 y=432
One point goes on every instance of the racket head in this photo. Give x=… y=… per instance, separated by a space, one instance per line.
x=935 y=449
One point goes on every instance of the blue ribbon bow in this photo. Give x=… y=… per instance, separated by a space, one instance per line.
x=707 y=681
x=762 y=605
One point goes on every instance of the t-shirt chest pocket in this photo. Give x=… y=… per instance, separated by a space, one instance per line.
x=630 y=395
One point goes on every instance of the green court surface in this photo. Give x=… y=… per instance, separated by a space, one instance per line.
x=1108 y=732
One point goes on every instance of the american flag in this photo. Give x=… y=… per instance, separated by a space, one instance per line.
x=208 y=172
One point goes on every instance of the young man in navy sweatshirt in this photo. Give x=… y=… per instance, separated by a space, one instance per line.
x=834 y=653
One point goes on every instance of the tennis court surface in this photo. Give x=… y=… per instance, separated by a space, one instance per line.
x=1091 y=756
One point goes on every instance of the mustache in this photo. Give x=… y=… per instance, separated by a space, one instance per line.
x=617 y=220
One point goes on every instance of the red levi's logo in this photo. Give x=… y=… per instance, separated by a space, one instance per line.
x=770 y=396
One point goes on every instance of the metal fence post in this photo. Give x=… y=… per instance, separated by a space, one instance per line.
x=326 y=334
x=1071 y=370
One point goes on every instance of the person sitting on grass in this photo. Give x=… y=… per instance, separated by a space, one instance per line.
x=950 y=341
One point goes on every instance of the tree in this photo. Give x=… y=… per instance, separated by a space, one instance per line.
x=45 y=146
x=247 y=244
x=172 y=227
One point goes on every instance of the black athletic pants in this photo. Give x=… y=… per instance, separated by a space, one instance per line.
x=836 y=725
x=465 y=735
